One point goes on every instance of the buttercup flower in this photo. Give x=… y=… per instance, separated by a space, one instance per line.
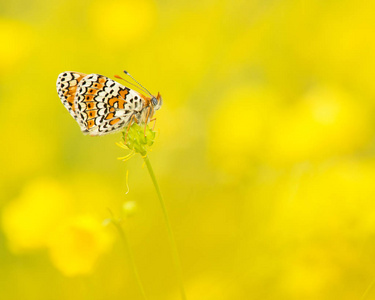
x=137 y=139
x=77 y=245
x=29 y=219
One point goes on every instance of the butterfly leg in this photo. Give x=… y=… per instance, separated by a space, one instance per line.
x=147 y=116
x=153 y=120
x=132 y=118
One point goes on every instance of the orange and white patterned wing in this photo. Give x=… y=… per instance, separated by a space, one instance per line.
x=66 y=86
x=105 y=106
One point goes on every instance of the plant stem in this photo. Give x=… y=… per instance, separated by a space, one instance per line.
x=172 y=240
x=130 y=255
x=364 y=296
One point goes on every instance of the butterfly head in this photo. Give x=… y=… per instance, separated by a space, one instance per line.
x=157 y=102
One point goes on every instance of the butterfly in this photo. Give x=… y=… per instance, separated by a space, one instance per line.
x=101 y=105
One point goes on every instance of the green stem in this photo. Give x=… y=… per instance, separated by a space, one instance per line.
x=366 y=293
x=172 y=240
x=130 y=255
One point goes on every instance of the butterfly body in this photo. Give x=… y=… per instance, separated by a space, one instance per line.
x=101 y=105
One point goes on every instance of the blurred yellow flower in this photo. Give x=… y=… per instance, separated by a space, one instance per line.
x=330 y=199
x=28 y=220
x=119 y=23
x=16 y=42
x=326 y=122
x=77 y=244
x=240 y=126
x=321 y=217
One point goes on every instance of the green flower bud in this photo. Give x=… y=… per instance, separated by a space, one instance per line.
x=137 y=139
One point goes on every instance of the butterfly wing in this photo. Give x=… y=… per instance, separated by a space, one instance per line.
x=105 y=106
x=66 y=86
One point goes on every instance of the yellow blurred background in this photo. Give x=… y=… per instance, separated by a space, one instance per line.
x=265 y=151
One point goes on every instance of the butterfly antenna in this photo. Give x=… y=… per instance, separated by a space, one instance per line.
x=126 y=72
x=116 y=76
